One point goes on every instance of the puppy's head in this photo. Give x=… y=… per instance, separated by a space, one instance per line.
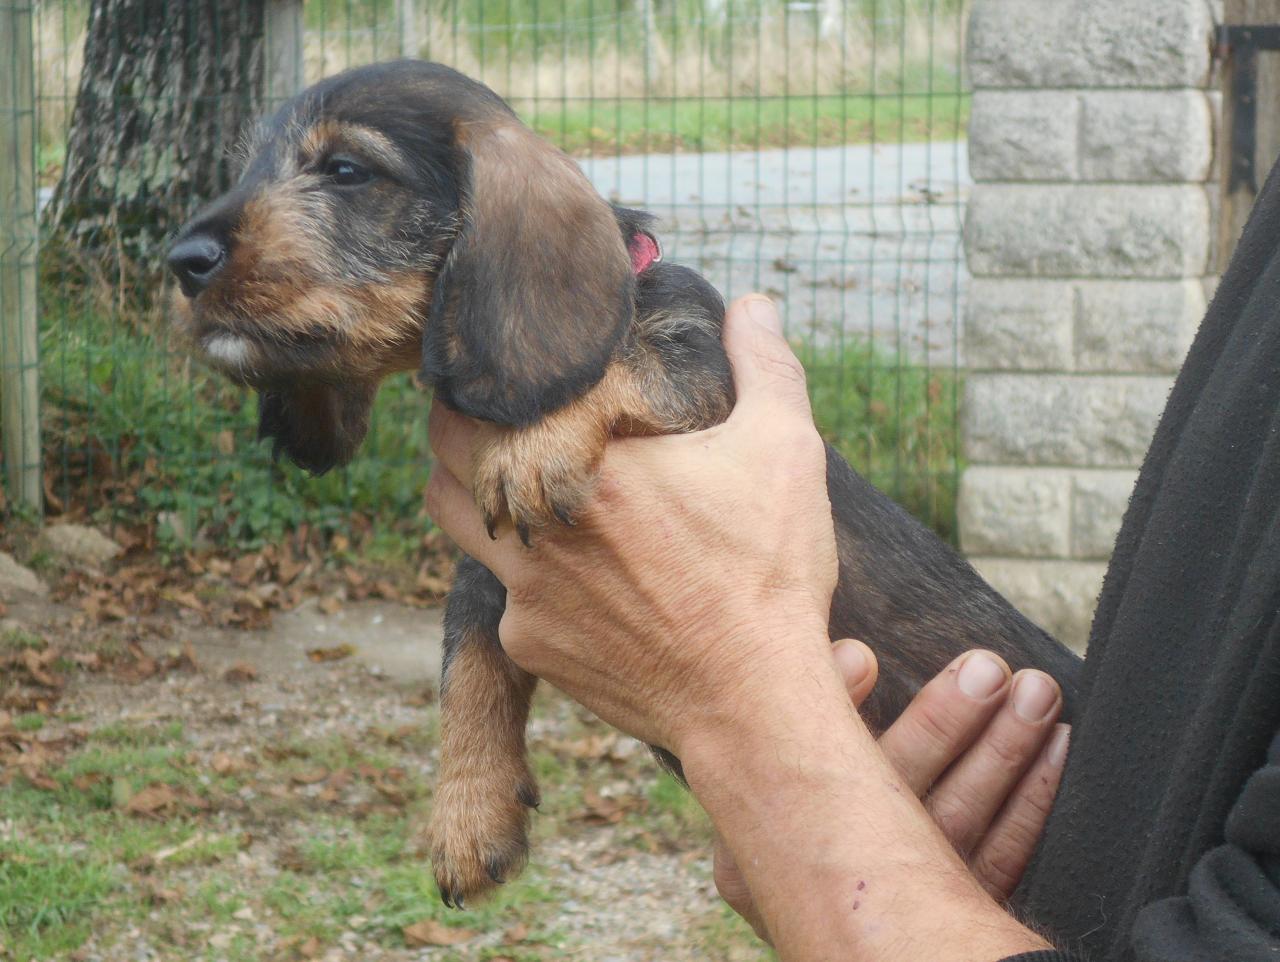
x=394 y=217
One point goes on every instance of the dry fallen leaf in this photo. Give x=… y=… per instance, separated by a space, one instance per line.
x=150 y=800
x=36 y=662
x=330 y=604
x=311 y=777
x=336 y=653
x=187 y=599
x=243 y=569
x=288 y=568
x=605 y=810
x=224 y=764
x=141 y=668
x=157 y=894
x=42 y=782
x=428 y=932
x=240 y=672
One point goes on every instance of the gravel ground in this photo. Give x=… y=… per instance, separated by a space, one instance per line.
x=617 y=874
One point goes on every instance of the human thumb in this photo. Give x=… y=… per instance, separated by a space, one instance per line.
x=765 y=371
x=858 y=667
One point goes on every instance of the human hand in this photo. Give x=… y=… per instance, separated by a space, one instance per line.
x=689 y=608
x=700 y=558
x=978 y=746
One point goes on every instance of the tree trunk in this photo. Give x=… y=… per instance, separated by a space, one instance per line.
x=166 y=90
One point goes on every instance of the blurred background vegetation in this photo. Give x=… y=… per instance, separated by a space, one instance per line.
x=136 y=435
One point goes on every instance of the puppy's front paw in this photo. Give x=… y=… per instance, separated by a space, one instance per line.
x=479 y=832
x=536 y=476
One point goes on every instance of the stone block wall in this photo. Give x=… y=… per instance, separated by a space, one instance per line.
x=1088 y=237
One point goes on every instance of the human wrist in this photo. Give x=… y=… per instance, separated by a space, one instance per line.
x=767 y=671
x=829 y=840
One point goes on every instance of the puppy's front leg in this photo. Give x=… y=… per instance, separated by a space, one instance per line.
x=543 y=473
x=478 y=834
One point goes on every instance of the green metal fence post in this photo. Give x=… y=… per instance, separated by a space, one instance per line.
x=285 y=54
x=407 y=22
x=19 y=239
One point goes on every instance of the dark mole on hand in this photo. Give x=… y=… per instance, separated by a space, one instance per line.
x=861 y=886
x=856 y=903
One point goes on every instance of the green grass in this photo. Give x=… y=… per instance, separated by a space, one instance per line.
x=659 y=124
x=408 y=894
x=128 y=401
x=124 y=399
x=74 y=864
x=66 y=867
x=524 y=24
x=48 y=897
x=17 y=639
x=135 y=736
x=894 y=420
x=29 y=723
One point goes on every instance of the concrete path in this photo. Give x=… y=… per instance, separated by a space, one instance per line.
x=857 y=238
x=396 y=641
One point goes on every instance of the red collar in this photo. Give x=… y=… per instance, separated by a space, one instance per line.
x=644 y=251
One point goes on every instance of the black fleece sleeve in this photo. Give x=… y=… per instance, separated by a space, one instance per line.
x=1231 y=910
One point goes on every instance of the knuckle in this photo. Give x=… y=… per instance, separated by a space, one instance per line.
x=934 y=726
x=956 y=814
x=807 y=445
x=999 y=870
x=1031 y=807
x=732 y=888
x=513 y=634
x=1007 y=751
x=781 y=364
x=433 y=497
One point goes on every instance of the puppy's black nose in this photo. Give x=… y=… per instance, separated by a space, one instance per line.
x=196 y=260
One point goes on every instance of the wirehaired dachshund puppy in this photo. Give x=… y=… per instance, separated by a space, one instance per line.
x=400 y=217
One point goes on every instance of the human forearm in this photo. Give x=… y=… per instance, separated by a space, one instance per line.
x=843 y=860
x=689 y=606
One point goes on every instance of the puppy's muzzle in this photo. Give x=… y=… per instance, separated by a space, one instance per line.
x=196 y=261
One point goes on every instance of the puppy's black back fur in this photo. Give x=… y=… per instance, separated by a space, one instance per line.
x=903 y=591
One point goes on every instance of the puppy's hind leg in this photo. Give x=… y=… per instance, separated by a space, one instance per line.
x=478 y=834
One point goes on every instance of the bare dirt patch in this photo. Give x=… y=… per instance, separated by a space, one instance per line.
x=175 y=789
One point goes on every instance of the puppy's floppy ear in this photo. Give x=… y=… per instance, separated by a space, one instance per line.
x=537 y=290
x=316 y=426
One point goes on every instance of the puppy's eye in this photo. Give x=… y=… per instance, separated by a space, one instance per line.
x=345 y=172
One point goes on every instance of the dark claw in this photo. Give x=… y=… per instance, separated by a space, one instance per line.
x=563 y=516
x=523 y=530
x=528 y=796
x=446 y=897
x=494 y=868
x=491 y=526
x=457 y=903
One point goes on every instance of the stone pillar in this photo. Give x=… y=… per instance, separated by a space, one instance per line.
x=1087 y=235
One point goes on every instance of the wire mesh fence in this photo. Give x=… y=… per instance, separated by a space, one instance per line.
x=811 y=149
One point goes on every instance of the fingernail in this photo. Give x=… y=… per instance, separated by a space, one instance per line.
x=981 y=676
x=1033 y=696
x=1058 y=747
x=851 y=659
x=762 y=311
